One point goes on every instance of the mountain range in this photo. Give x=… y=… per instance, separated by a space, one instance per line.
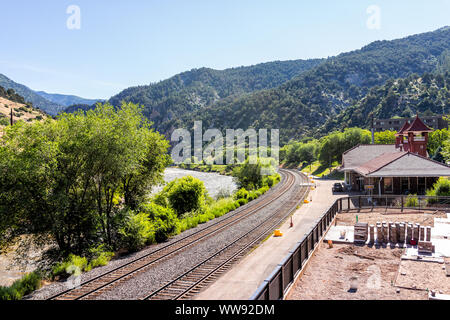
x=302 y=98
x=49 y=103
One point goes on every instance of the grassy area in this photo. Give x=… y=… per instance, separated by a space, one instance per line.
x=319 y=170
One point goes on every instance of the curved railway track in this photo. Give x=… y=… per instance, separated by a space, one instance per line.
x=99 y=284
x=192 y=281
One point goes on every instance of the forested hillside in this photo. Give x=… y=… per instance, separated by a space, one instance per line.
x=67 y=100
x=300 y=106
x=30 y=96
x=200 y=88
x=402 y=98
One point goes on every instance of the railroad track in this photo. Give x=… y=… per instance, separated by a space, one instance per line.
x=191 y=282
x=98 y=285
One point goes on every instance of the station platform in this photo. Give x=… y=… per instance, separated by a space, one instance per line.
x=244 y=278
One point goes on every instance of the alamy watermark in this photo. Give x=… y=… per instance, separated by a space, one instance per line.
x=239 y=146
x=74 y=20
x=374 y=20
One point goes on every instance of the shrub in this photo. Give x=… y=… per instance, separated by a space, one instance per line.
x=164 y=220
x=221 y=207
x=442 y=187
x=99 y=257
x=241 y=194
x=242 y=202
x=137 y=231
x=412 y=200
x=223 y=193
x=263 y=189
x=186 y=195
x=72 y=265
x=22 y=287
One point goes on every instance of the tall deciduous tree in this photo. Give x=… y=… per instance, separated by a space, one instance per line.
x=64 y=177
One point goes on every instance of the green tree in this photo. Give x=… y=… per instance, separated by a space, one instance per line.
x=385 y=137
x=185 y=195
x=436 y=139
x=72 y=171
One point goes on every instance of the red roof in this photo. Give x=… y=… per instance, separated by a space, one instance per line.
x=379 y=162
x=404 y=128
x=418 y=126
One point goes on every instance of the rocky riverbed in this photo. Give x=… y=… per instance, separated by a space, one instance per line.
x=214 y=182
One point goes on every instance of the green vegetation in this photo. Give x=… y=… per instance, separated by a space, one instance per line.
x=340 y=92
x=427 y=95
x=21 y=287
x=77 y=175
x=201 y=88
x=412 y=201
x=29 y=95
x=321 y=156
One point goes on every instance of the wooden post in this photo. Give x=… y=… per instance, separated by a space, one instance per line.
x=403 y=203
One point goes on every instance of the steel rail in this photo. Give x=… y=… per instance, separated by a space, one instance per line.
x=131 y=268
x=196 y=277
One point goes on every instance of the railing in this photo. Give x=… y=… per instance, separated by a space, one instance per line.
x=276 y=285
x=284 y=274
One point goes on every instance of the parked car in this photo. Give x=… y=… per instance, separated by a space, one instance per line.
x=337 y=187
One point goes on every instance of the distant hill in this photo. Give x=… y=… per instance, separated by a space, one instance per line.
x=11 y=101
x=30 y=96
x=67 y=100
x=429 y=93
x=201 y=88
x=302 y=105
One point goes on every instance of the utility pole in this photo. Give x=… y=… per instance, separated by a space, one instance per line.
x=11 y=120
x=373 y=131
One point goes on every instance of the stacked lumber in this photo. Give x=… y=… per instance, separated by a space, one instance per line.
x=361 y=232
x=372 y=233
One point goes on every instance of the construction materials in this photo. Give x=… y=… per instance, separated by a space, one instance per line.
x=393 y=234
x=409 y=232
x=401 y=234
x=371 y=233
x=361 y=232
x=379 y=233
x=425 y=247
x=422 y=234
x=428 y=238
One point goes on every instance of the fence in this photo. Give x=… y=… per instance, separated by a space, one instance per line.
x=275 y=286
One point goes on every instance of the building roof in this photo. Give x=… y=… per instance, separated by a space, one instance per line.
x=379 y=162
x=363 y=153
x=418 y=126
x=404 y=128
x=406 y=164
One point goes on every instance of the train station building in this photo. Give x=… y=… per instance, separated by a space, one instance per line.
x=400 y=168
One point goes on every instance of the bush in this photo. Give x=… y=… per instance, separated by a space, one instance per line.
x=442 y=187
x=186 y=195
x=137 y=231
x=221 y=207
x=242 y=202
x=99 y=257
x=164 y=220
x=241 y=194
x=22 y=287
x=412 y=201
x=72 y=265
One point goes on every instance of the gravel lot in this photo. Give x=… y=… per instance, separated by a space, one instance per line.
x=380 y=215
x=327 y=276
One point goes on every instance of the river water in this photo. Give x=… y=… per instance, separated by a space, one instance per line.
x=214 y=182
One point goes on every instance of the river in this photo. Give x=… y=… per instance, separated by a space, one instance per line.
x=214 y=182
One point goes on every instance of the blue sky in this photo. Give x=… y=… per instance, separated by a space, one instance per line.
x=135 y=42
